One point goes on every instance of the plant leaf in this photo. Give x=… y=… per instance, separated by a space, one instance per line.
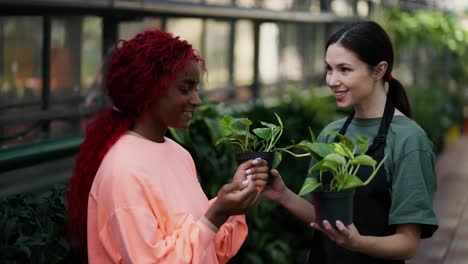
x=310 y=184
x=335 y=158
x=312 y=135
x=279 y=120
x=264 y=133
x=349 y=181
x=362 y=144
x=330 y=166
x=342 y=150
x=317 y=166
x=321 y=149
x=269 y=125
x=343 y=139
x=277 y=160
x=363 y=160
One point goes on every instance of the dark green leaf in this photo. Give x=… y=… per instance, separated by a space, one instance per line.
x=310 y=184
x=363 y=160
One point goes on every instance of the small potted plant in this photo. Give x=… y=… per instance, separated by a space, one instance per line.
x=334 y=187
x=258 y=143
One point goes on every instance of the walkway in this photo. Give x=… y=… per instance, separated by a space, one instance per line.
x=449 y=245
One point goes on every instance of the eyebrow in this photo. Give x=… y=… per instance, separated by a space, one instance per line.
x=340 y=64
x=190 y=82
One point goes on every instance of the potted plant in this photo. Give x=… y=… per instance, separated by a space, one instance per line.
x=337 y=164
x=258 y=143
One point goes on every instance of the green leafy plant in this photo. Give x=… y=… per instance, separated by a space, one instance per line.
x=33 y=228
x=342 y=160
x=237 y=131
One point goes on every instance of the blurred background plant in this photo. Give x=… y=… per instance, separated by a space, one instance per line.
x=431 y=54
x=33 y=228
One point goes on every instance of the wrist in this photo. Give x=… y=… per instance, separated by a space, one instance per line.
x=284 y=197
x=216 y=215
x=358 y=243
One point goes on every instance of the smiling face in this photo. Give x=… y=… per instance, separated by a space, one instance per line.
x=349 y=78
x=175 y=107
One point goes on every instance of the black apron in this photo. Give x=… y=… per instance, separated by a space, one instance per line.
x=371 y=205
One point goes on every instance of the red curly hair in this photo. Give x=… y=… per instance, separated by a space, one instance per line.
x=139 y=71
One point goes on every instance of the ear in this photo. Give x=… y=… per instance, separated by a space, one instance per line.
x=380 y=70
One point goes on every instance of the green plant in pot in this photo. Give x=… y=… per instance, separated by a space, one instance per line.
x=259 y=142
x=334 y=179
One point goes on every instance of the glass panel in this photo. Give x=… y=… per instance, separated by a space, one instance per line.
x=318 y=47
x=277 y=4
x=219 y=2
x=65 y=57
x=184 y=1
x=246 y=3
x=216 y=55
x=20 y=60
x=269 y=70
x=91 y=58
x=20 y=78
x=128 y=29
x=290 y=65
x=244 y=53
x=76 y=67
x=341 y=8
x=363 y=8
x=189 y=29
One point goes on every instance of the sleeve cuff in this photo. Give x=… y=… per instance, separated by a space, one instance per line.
x=210 y=225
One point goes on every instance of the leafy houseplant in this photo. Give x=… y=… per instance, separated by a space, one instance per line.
x=260 y=142
x=337 y=164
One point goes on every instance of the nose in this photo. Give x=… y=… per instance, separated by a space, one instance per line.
x=195 y=99
x=332 y=79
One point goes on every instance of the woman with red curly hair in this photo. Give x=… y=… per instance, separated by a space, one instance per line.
x=134 y=196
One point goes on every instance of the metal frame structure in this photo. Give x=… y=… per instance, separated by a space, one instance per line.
x=112 y=12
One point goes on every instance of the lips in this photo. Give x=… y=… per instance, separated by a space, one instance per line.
x=188 y=114
x=340 y=95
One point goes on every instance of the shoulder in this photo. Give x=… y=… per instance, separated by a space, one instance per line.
x=406 y=133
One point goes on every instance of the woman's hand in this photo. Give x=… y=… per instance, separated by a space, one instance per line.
x=345 y=236
x=233 y=199
x=255 y=170
x=277 y=190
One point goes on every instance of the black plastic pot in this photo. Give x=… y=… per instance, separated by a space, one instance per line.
x=268 y=156
x=334 y=206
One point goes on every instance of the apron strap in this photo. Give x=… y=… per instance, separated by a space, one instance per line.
x=383 y=129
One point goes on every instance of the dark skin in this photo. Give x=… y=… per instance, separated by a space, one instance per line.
x=175 y=108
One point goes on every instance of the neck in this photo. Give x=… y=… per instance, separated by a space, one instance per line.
x=374 y=105
x=147 y=129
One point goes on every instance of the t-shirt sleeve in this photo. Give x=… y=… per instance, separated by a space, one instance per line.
x=413 y=187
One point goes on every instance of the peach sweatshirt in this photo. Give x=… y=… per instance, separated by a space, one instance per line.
x=147 y=206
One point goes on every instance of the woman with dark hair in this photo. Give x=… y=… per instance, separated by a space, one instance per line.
x=395 y=210
x=134 y=196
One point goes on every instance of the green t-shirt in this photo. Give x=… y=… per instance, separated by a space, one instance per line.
x=409 y=167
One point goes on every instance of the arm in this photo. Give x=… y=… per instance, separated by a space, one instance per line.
x=233 y=231
x=279 y=193
x=401 y=245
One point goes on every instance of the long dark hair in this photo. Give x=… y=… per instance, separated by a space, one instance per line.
x=372 y=45
x=139 y=71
